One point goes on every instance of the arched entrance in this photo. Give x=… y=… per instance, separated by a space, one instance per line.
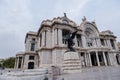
x=31 y=65
x=118 y=58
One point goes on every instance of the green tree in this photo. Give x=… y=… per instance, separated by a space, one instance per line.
x=1 y=63
x=9 y=62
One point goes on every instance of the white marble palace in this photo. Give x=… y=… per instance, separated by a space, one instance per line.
x=47 y=46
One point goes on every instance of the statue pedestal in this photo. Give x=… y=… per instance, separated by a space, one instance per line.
x=71 y=62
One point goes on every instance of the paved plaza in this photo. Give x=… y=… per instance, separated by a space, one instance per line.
x=94 y=73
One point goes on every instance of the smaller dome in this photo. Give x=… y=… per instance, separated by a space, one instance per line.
x=64 y=20
x=46 y=22
x=107 y=32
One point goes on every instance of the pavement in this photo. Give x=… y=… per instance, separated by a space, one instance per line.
x=94 y=73
x=90 y=73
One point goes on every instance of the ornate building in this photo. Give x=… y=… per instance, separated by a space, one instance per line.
x=118 y=45
x=46 y=47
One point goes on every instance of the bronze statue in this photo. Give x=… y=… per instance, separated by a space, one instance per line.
x=70 y=41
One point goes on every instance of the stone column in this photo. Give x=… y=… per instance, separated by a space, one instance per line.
x=38 y=42
x=86 y=59
x=80 y=58
x=98 y=42
x=27 y=44
x=104 y=58
x=55 y=37
x=106 y=43
x=90 y=59
x=115 y=43
x=109 y=44
x=48 y=38
x=60 y=37
x=110 y=58
x=97 y=58
x=22 y=62
x=17 y=62
x=94 y=43
x=43 y=38
x=75 y=40
x=83 y=41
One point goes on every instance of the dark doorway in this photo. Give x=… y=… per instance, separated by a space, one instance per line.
x=46 y=79
x=118 y=58
x=93 y=59
x=101 y=59
x=31 y=65
x=19 y=63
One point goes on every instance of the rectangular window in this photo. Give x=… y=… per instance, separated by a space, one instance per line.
x=112 y=43
x=102 y=42
x=32 y=46
x=40 y=40
x=33 y=39
x=31 y=57
x=89 y=44
x=79 y=41
x=65 y=34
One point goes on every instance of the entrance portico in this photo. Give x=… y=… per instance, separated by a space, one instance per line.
x=94 y=58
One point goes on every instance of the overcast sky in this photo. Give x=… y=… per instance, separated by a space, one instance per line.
x=17 y=17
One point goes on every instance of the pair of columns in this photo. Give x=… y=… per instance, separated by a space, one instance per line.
x=86 y=59
x=51 y=38
x=57 y=36
x=96 y=42
x=108 y=43
x=17 y=61
x=104 y=58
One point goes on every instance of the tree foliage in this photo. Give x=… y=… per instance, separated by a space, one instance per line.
x=9 y=62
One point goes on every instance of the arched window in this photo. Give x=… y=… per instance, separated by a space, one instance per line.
x=90 y=36
x=91 y=33
x=65 y=21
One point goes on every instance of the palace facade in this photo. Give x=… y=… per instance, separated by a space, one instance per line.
x=47 y=46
